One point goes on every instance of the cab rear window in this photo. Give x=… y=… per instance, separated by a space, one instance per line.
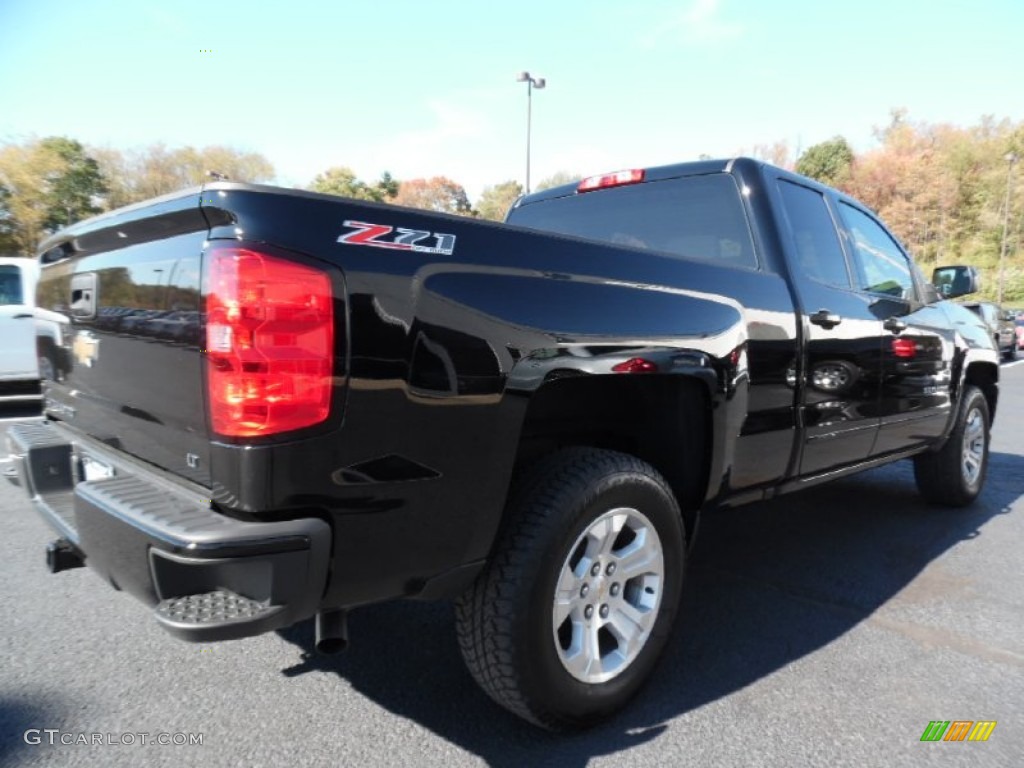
x=698 y=217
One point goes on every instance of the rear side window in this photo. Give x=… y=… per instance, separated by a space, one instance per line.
x=10 y=285
x=700 y=217
x=819 y=254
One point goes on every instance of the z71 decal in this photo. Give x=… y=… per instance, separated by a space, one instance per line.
x=397 y=239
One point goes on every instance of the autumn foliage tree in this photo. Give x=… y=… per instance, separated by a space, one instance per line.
x=439 y=194
x=943 y=190
x=139 y=174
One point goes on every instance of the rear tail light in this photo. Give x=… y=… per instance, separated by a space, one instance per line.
x=904 y=348
x=635 y=365
x=269 y=342
x=617 y=179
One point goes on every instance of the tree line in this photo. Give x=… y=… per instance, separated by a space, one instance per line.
x=952 y=194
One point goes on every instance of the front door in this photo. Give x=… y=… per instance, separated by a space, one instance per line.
x=917 y=346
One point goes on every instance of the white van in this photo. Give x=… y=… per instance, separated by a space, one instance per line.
x=19 y=366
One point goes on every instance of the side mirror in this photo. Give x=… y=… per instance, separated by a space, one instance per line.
x=956 y=281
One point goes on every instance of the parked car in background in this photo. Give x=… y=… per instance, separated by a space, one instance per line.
x=1018 y=322
x=19 y=371
x=1002 y=325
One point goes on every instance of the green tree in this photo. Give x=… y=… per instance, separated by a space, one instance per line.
x=388 y=186
x=72 y=193
x=8 y=225
x=829 y=162
x=47 y=183
x=495 y=200
x=342 y=181
x=557 y=179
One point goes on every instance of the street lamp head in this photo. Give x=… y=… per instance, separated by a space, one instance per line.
x=539 y=82
x=522 y=77
x=1011 y=157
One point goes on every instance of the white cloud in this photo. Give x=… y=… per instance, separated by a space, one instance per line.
x=700 y=23
x=454 y=144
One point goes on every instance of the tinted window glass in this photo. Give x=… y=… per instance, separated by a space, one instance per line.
x=700 y=217
x=880 y=264
x=10 y=285
x=818 y=251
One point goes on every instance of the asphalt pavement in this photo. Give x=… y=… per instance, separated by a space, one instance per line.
x=825 y=628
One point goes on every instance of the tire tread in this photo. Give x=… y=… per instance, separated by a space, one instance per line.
x=485 y=613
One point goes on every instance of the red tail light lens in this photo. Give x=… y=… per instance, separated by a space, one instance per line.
x=269 y=343
x=904 y=348
x=635 y=365
x=617 y=179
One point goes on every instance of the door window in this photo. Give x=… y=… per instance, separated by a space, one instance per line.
x=880 y=263
x=818 y=250
x=10 y=285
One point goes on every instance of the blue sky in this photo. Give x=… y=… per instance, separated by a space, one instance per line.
x=428 y=88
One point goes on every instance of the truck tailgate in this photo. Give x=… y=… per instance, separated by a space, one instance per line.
x=127 y=365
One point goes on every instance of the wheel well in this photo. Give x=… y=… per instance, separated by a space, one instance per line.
x=984 y=376
x=663 y=420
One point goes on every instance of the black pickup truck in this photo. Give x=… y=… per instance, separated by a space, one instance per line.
x=273 y=405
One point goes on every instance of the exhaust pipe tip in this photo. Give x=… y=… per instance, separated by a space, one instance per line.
x=62 y=555
x=331 y=632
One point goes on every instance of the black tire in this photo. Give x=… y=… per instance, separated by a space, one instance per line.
x=946 y=476
x=506 y=621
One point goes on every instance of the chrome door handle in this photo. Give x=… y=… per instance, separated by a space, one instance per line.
x=826 y=319
x=895 y=325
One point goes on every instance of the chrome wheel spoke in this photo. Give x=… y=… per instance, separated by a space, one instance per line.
x=569 y=584
x=639 y=557
x=566 y=609
x=606 y=531
x=584 y=654
x=631 y=621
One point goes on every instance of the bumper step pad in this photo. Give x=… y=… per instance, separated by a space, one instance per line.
x=222 y=606
x=207 y=575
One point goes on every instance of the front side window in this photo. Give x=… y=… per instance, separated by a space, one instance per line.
x=880 y=263
x=10 y=285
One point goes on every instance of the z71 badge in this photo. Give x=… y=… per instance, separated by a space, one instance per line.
x=397 y=238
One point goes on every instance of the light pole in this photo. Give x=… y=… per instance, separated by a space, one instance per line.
x=1010 y=158
x=531 y=83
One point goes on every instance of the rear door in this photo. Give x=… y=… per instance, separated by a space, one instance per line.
x=17 y=331
x=838 y=374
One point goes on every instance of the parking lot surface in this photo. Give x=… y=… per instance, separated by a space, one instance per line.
x=825 y=628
